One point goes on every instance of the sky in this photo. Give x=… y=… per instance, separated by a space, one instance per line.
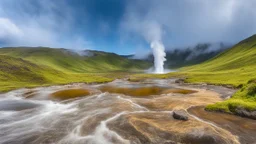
x=124 y=26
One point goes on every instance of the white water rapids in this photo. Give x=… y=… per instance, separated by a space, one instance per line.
x=102 y=118
x=47 y=116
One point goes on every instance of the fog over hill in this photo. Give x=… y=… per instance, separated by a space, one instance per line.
x=179 y=57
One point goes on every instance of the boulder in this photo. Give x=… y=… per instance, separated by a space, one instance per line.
x=180 y=115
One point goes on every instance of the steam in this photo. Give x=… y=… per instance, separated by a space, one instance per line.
x=151 y=31
x=159 y=55
x=153 y=34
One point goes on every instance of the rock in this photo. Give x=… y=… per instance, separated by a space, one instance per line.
x=203 y=138
x=244 y=113
x=180 y=115
x=180 y=81
x=16 y=105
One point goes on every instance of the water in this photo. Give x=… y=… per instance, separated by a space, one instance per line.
x=34 y=116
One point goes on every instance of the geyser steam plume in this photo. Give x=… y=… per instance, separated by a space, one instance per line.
x=159 y=55
x=153 y=34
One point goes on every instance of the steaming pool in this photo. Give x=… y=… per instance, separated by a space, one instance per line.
x=120 y=112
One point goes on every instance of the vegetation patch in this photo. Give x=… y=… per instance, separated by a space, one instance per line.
x=243 y=100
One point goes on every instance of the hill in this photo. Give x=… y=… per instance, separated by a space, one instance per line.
x=187 y=56
x=234 y=66
x=69 y=61
x=29 y=67
x=193 y=55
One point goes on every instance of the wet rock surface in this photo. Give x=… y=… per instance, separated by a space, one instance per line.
x=244 y=128
x=245 y=113
x=113 y=118
x=16 y=105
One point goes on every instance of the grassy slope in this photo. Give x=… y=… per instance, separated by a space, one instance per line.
x=67 y=61
x=235 y=66
x=30 y=67
x=17 y=73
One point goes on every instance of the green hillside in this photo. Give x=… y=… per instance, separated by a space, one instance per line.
x=235 y=66
x=17 y=73
x=68 y=61
x=30 y=67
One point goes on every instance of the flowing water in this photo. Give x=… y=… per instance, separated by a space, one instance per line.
x=119 y=112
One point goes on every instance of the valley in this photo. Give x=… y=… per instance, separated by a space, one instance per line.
x=104 y=97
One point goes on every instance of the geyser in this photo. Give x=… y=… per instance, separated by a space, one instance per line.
x=159 y=55
x=153 y=34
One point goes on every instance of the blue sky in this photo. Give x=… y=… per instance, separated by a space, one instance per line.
x=124 y=26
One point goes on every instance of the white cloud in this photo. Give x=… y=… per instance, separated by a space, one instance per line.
x=188 y=22
x=38 y=23
x=9 y=30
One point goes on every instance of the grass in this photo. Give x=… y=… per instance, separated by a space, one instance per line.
x=17 y=73
x=244 y=98
x=235 y=66
x=32 y=67
x=71 y=62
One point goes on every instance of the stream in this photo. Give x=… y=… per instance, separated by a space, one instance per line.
x=120 y=112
